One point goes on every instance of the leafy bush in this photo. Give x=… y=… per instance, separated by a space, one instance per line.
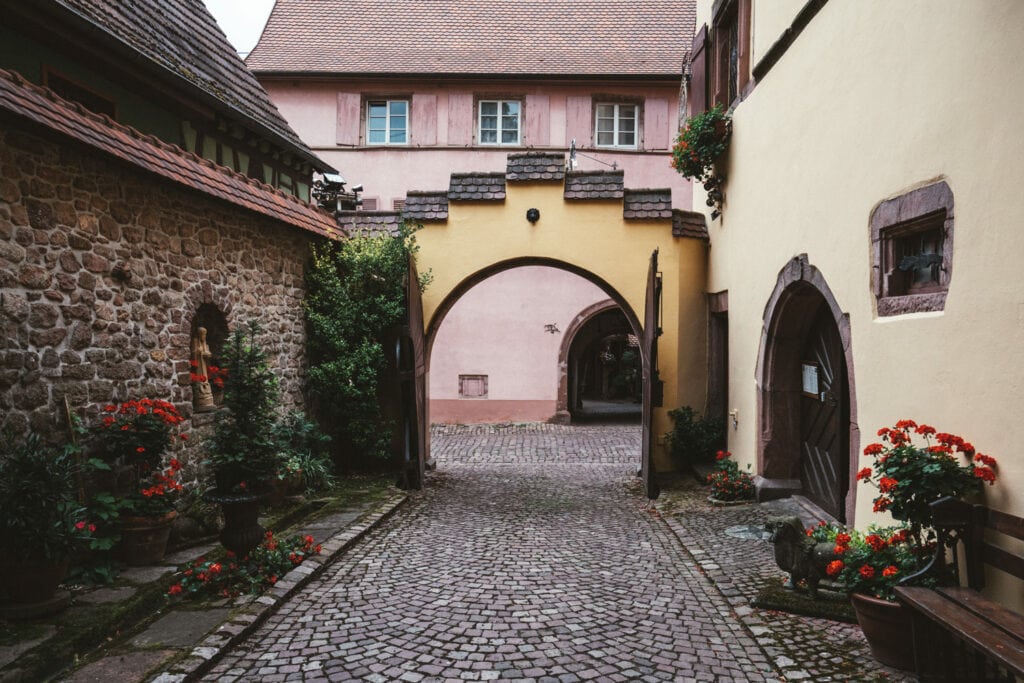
x=693 y=439
x=39 y=512
x=355 y=296
x=304 y=451
x=704 y=138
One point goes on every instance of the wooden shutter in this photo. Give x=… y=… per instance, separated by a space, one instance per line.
x=423 y=119
x=699 y=72
x=348 y=119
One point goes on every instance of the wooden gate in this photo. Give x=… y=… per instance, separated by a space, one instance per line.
x=412 y=366
x=824 y=416
x=652 y=388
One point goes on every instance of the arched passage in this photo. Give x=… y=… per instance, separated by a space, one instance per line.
x=479 y=276
x=601 y=320
x=589 y=224
x=806 y=401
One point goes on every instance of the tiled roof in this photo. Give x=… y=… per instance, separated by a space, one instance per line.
x=477 y=187
x=689 y=224
x=43 y=107
x=370 y=222
x=641 y=204
x=426 y=206
x=593 y=185
x=536 y=166
x=524 y=37
x=182 y=39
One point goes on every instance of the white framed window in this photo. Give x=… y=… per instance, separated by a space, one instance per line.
x=616 y=125
x=499 y=122
x=387 y=122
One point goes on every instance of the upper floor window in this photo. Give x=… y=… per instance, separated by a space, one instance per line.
x=616 y=125
x=387 y=122
x=499 y=122
x=731 y=51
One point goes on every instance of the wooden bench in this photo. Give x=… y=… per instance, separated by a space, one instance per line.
x=960 y=635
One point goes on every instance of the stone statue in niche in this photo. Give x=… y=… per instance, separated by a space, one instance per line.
x=202 y=394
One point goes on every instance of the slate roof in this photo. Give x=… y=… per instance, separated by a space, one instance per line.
x=41 y=106
x=594 y=185
x=689 y=224
x=183 y=44
x=370 y=222
x=426 y=206
x=524 y=37
x=646 y=204
x=476 y=187
x=535 y=166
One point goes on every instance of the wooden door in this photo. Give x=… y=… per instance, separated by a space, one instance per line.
x=412 y=371
x=824 y=417
x=651 y=381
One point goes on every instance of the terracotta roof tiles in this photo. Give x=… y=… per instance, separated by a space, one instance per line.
x=536 y=166
x=646 y=204
x=426 y=206
x=41 y=106
x=525 y=37
x=182 y=38
x=594 y=185
x=477 y=187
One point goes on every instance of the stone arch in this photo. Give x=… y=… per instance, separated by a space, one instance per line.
x=479 y=276
x=800 y=292
x=577 y=324
x=206 y=305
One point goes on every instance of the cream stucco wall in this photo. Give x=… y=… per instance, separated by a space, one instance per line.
x=873 y=99
x=593 y=237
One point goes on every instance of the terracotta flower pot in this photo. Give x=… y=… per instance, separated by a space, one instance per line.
x=31 y=579
x=887 y=627
x=144 y=539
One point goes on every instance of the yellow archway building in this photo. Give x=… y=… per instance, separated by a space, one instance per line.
x=585 y=222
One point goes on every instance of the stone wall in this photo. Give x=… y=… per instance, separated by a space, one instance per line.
x=103 y=267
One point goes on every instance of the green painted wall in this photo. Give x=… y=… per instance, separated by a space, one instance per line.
x=27 y=57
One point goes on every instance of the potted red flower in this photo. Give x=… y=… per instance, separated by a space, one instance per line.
x=132 y=438
x=909 y=477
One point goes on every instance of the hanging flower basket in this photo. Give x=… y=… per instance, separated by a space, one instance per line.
x=700 y=144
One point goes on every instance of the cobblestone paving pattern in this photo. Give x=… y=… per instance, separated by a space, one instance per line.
x=801 y=648
x=520 y=568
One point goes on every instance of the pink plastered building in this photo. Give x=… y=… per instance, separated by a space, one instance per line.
x=398 y=101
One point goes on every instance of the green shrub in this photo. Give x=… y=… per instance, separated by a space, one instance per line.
x=694 y=439
x=355 y=297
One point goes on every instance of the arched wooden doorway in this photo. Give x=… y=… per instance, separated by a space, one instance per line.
x=807 y=408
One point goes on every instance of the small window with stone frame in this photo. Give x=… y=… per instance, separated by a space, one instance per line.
x=912 y=250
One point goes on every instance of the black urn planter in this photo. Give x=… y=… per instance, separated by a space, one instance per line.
x=242 y=531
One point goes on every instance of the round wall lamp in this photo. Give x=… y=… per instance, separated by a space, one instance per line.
x=533 y=215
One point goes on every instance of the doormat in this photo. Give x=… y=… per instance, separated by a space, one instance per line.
x=827 y=606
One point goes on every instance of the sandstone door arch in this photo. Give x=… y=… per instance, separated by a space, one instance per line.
x=808 y=435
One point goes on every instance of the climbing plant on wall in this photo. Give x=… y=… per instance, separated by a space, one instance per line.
x=354 y=301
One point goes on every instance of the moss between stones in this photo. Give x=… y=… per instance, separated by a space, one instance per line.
x=773 y=596
x=83 y=630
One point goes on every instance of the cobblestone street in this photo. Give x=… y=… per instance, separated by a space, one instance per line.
x=530 y=556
